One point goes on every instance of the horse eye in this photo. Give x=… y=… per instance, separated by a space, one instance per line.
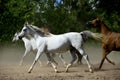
x=25 y=30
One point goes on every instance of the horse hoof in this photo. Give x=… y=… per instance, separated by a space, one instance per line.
x=113 y=63
x=66 y=70
x=91 y=71
x=20 y=64
x=29 y=71
x=65 y=64
x=56 y=71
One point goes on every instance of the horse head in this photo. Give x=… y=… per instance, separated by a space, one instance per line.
x=15 y=38
x=25 y=30
x=29 y=31
x=95 y=23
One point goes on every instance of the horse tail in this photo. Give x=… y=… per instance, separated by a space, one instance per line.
x=86 y=34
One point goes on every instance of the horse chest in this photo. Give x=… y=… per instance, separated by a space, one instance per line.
x=33 y=44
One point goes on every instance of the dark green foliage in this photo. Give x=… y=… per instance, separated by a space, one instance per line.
x=69 y=16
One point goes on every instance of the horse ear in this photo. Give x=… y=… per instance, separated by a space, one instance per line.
x=26 y=23
x=98 y=18
x=16 y=33
x=46 y=29
x=42 y=29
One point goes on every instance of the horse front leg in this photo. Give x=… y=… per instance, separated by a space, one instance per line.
x=40 y=63
x=26 y=52
x=39 y=53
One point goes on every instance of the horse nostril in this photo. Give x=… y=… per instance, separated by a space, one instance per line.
x=87 y=23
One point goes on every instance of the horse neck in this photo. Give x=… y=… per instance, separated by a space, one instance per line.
x=104 y=29
x=36 y=36
x=49 y=34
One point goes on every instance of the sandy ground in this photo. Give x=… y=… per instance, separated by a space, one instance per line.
x=10 y=70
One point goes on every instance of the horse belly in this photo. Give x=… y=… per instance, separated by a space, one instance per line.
x=57 y=47
x=59 y=50
x=117 y=48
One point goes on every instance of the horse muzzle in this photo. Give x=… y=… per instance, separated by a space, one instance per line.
x=88 y=23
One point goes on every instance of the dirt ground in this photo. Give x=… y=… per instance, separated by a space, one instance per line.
x=10 y=70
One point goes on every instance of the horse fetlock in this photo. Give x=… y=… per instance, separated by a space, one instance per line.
x=29 y=71
x=56 y=71
x=68 y=67
x=113 y=63
x=55 y=68
x=91 y=70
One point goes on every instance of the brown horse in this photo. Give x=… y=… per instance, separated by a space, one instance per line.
x=110 y=39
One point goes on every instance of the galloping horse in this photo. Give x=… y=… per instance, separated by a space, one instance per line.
x=110 y=39
x=78 y=55
x=29 y=46
x=62 y=43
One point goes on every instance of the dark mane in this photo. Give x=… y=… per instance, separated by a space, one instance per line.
x=106 y=26
x=37 y=30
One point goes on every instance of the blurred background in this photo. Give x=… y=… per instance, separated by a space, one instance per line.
x=60 y=16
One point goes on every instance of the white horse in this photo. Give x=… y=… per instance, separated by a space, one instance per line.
x=30 y=46
x=58 y=43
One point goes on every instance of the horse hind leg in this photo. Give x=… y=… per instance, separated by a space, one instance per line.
x=52 y=61
x=74 y=57
x=79 y=61
x=105 y=53
x=85 y=56
x=62 y=59
x=113 y=63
